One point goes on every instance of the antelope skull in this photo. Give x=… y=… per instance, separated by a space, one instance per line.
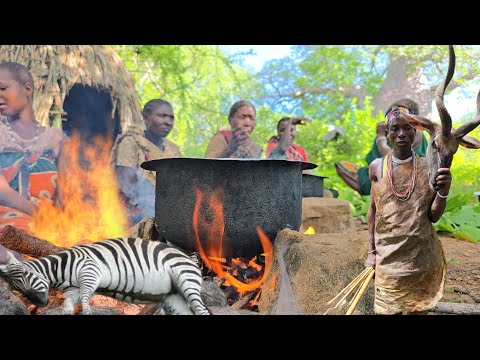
x=444 y=140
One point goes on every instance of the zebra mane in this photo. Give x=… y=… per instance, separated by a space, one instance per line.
x=11 y=259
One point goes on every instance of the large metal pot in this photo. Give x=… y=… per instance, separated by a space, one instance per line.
x=312 y=185
x=262 y=192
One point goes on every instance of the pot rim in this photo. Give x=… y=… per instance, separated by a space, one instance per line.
x=151 y=164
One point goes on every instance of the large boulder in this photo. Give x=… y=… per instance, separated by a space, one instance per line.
x=327 y=215
x=309 y=270
x=9 y=303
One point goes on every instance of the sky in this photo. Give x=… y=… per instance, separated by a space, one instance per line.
x=263 y=53
x=455 y=102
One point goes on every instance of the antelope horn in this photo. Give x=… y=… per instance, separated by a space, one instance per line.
x=440 y=92
x=465 y=129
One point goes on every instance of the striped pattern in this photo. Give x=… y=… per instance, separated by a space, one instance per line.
x=128 y=269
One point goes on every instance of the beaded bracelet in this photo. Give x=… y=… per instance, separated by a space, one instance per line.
x=374 y=251
x=442 y=196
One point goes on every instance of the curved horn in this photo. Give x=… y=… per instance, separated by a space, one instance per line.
x=465 y=129
x=442 y=110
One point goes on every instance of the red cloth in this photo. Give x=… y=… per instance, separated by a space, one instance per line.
x=294 y=152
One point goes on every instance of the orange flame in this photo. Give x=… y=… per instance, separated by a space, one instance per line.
x=212 y=257
x=91 y=208
x=309 y=231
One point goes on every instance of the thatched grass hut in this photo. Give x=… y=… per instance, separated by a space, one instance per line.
x=86 y=86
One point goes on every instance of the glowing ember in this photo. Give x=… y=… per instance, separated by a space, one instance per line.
x=91 y=208
x=212 y=256
x=309 y=231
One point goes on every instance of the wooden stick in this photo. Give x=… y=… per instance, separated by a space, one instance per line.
x=24 y=243
x=360 y=294
x=243 y=300
x=348 y=287
x=343 y=300
x=356 y=284
x=358 y=290
x=354 y=296
x=353 y=285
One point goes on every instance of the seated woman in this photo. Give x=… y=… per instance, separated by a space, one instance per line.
x=135 y=146
x=28 y=151
x=357 y=177
x=236 y=142
x=281 y=146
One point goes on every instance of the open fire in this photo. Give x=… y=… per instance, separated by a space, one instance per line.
x=91 y=208
x=310 y=231
x=252 y=272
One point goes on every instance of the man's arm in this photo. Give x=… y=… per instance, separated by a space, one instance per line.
x=444 y=181
x=127 y=180
x=373 y=172
x=11 y=198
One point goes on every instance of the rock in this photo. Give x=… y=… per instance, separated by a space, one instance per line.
x=212 y=295
x=96 y=310
x=145 y=229
x=327 y=215
x=10 y=304
x=216 y=310
x=318 y=267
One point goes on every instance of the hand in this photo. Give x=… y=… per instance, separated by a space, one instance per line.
x=443 y=181
x=286 y=137
x=370 y=261
x=381 y=129
x=240 y=136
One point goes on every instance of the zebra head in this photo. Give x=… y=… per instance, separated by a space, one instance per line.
x=29 y=282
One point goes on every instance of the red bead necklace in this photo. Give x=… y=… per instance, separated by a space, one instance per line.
x=405 y=195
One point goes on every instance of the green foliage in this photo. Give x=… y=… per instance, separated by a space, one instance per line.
x=358 y=204
x=460 y=218
x=199 y=81
x=466 y=166
x=202 y=83
x=357 y=124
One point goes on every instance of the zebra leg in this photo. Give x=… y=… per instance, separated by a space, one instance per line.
x=71 y=298
x=187 y=279
x=89 y=281
x=175 y=304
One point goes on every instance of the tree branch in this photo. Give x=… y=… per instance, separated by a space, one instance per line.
x=356 y=91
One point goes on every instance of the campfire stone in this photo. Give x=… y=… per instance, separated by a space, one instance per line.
x=326 y=215
x=145 y=229
x=10 y=304
x=96 y=310
x=212 y=295
x=318 y=267
x=216 y=310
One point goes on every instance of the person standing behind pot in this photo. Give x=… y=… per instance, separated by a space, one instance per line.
x=281 y=146
x=236 y=142
x=137 y=186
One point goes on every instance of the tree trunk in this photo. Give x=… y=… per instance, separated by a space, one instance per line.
x=401 y=82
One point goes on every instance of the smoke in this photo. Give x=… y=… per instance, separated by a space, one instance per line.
x=286 y=303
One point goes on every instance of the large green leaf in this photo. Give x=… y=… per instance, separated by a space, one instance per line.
x=457 y=200
x=465 y=215
x=444 y=224
x=468 y=233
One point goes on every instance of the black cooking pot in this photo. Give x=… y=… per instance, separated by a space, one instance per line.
x=262 y=192
x=312 y=185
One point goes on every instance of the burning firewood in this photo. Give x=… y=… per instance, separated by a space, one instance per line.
x=24 y=243
x=244 y=300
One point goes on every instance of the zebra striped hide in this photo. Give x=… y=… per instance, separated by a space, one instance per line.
x=128 y=269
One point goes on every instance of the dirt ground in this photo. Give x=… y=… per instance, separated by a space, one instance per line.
x=463 y=274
